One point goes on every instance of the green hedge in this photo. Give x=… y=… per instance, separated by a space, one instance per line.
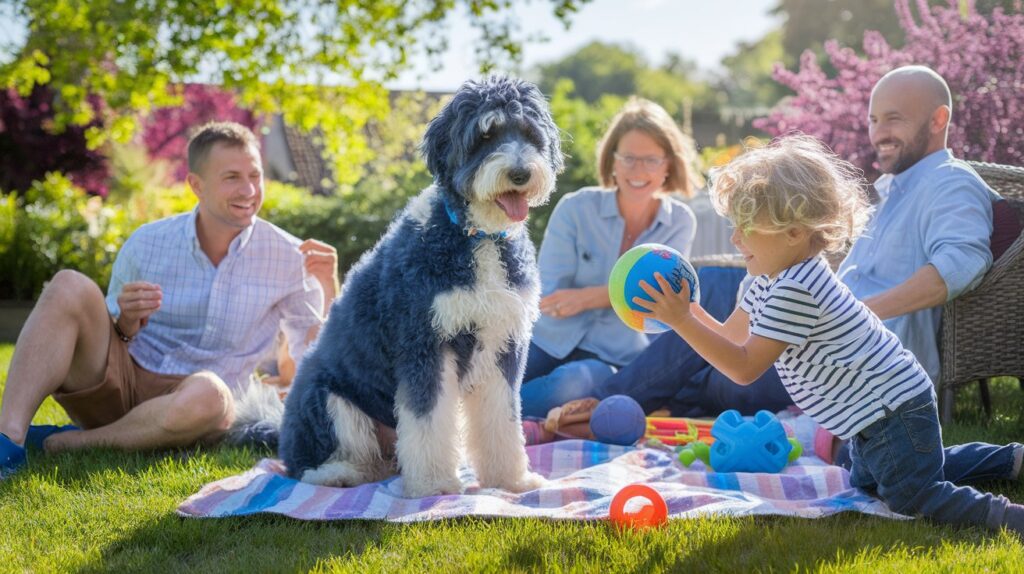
x=333 y=220
x=55 y=226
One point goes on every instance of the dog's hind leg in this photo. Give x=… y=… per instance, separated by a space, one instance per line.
x=494 y=433
x=428 y=442
x=357 y=458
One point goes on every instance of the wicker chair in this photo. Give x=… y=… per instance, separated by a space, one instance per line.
x=983 y=330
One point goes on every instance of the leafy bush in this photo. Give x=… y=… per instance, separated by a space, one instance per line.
x=712 y=157
x=332 y=220
x=54 y=226
x=979 y=56
x=133 y=171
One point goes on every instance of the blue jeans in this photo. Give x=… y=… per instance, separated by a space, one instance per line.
x=902 y=459
x=668 y=373
x=550 y=382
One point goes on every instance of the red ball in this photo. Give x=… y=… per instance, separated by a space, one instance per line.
x=654 y=514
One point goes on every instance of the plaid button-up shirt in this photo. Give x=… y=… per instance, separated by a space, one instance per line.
x=225 y=318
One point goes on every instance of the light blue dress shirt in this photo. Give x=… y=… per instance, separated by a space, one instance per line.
x=581 y=245
x=939 y=211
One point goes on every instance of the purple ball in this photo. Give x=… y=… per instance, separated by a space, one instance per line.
x=618 y=420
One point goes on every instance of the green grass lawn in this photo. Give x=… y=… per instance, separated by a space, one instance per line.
x=104 y=510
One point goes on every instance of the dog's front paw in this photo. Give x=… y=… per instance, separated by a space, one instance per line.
x=526 y=482
x=422 y=489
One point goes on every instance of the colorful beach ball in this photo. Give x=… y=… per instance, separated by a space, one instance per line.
x=640 y=264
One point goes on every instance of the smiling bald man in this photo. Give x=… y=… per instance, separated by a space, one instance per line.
x=928 y=241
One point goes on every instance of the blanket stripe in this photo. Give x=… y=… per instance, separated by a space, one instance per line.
x=583 y=478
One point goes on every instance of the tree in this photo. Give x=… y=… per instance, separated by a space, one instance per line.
x=29 y=149
x=979 y=56
x=276 y=55
x=397 y=172
x=677 y=86
x=809 y=23
x=166 y=131
x=597 y=70
x=748 y=79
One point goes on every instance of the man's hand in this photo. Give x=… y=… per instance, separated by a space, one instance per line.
x=137 y=301
x=322 y=263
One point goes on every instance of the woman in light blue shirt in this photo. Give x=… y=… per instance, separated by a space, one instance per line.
x=642 y=158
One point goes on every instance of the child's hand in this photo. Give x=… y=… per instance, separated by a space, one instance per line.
x=668 y=306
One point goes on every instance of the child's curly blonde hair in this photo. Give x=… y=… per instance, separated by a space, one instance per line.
x=794 y=180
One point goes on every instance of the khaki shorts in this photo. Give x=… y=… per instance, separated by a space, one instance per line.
x=124 y=386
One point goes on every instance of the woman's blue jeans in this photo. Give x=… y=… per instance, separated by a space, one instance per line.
x=667 y=374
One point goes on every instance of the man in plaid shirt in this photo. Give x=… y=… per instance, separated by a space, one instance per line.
x=195 y=301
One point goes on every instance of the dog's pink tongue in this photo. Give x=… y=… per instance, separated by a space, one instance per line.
x=514 y=205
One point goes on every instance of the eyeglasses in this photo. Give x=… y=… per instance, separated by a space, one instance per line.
x=649 y=163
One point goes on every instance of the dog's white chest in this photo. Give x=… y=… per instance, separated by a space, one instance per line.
x=491 y=308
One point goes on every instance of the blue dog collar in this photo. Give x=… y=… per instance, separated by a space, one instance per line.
x=471 y=231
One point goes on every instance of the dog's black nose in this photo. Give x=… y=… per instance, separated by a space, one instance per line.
x=519 y=175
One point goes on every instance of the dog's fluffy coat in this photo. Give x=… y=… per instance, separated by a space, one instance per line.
x=434 y=323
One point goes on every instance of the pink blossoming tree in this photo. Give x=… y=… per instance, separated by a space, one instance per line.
x=979 y=56
x=167 y=130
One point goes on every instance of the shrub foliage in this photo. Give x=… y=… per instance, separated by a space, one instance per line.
x=53 y=226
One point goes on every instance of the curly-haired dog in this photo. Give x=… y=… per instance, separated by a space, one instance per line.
x=434 y=322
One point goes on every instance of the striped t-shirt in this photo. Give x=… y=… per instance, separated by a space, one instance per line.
x=842 y=366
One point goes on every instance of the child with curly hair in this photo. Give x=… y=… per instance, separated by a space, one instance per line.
x=790 y=202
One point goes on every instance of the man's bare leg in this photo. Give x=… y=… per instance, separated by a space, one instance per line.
x=200 y=408
x=63 y=345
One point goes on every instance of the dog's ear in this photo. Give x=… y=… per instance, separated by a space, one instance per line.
x=547 y=123
x=436 y=144
x=450 y=135
x=555 y=147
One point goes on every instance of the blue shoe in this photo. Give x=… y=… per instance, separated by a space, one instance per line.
x=37 y=434
x=12 y=456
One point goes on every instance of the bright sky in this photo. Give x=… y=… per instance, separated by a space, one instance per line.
x=700 y=30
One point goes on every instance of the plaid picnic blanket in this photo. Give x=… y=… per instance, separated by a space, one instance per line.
x=584 y=476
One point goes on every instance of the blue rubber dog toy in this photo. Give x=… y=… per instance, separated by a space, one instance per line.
x=618 y=419
x=759 y=444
